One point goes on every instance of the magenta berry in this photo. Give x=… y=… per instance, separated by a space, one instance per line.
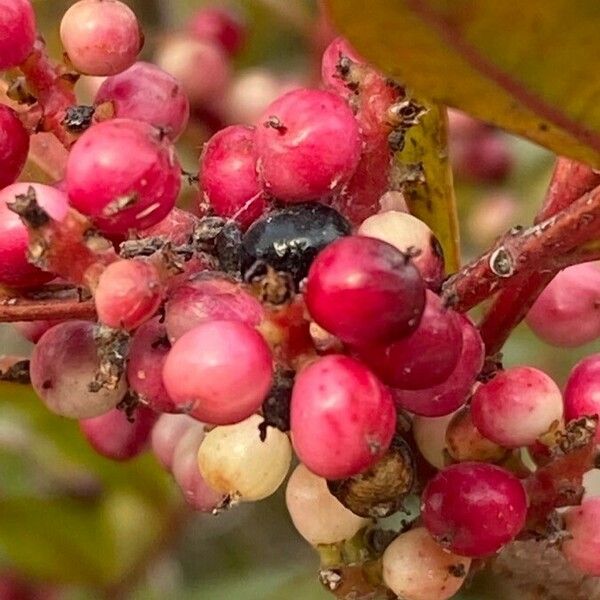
x=101 y=37
x=308 y=145
x=567 y=313
x=473 y=509
x=15 y=269
x=228 y=178
x=209 y=298
x=146 y=93
x=147 y=354
x=114 y=436
x=582 y=393
x=220 y=25
x=424 y=358
x=451 y=394
x=129 y=292
x=17 y=32
x=342 y=417
x=365 y=291
x=219 y=372
x=14 y=145
x=119 y=194
x=517 y=407
x=582 y=546
x=33 y=330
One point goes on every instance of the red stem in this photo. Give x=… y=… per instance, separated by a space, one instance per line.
x=27 y=309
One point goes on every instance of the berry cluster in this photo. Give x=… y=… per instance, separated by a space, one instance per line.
x=295 y=309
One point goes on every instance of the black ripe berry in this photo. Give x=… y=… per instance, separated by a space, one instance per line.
x=288 y=239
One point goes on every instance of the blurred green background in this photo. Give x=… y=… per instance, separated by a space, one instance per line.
x=105 y=530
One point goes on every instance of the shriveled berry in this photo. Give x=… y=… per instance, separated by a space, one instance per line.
x=365 y=291
x=288 y=239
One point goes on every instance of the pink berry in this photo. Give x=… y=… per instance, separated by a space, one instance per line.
x=15 y=269
x=308 y=144
x=201 y=66
x=112 y=435
x=166 y=434
x=365 y=291
x=33 y=330
x=228 y=178
x=14 y=143
x=177 y=227
x=567 y=313
x=332 y=65
x=219 y=372
x=451 y=394
x=123 y=175
x=147 y=354
x=582 y=393
x=129 y=292
x=473 y=509
x=517 y=407
x=220 y=25
x=426 y=357
x=146 y=93
x=17 y=32
x=582 y=547
x=209 y=298
x=342 y=418
x=101 y=37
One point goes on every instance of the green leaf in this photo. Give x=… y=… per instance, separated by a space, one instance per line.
x=529 y=68
x=70 y=515
x=426 y=180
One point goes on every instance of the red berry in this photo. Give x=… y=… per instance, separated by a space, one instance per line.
x=582 y=393
x=228 y=178
x=146 y=93
x=365 y=291
x=220 y=25
x=15 y=269
x=473 y=509
x=582 y=546
x=426 y=357
x=446 y=397
x=342 y=417
x=308 y=144
x=14 y=143
x=219 y=372
x=17 y=32
x=123 y=175
x=177 y=227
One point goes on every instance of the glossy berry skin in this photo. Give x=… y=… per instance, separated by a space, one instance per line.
x=365 y=291
x=424 y=358
x=145 y=92
x=219 y=372
x=113 y=436
x=15 y=269
x=167 y=433
x=582 y=392
x=220 y=25
x=17 y=32
x=342 y=417
x=120 y=194
x=101 y=37
x=209 y=298
x=288 y=239
x=129 y=292
x=517 y=407
x=473 y=509
x=308 y=144
x=228 y=178
x=446 y=397
x=582 y=547
x=567 y=313
x=14 y=145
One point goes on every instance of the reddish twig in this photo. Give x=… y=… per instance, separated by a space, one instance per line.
x=542 y=248
x=570 y=181
x=48 y=309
